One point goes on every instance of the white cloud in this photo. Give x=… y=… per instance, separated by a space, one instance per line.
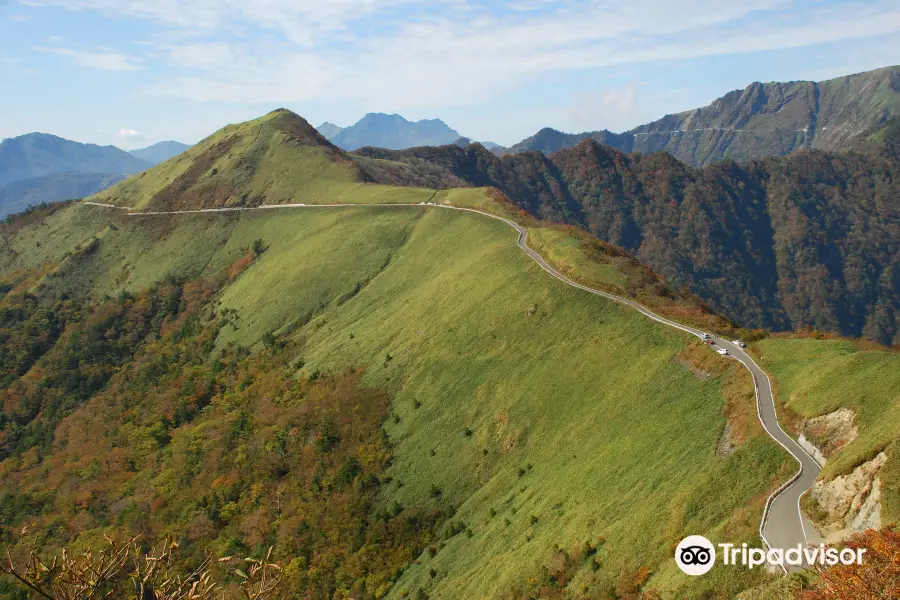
x=107 y=61
x=410 y=54
x=303 y=22
x=615 y=109
x=453 y=61
x=131 y=138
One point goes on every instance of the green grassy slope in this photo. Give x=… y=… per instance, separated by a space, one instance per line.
x=547 y=416
x=814 y=377
x=503 y=360
x=278 y=158
x=497 y=368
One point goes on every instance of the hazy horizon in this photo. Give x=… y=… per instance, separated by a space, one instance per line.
x=130 y=74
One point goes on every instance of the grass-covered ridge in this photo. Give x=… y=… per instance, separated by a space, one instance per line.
x=557 y=427
x=278 y=158
x=548 y=417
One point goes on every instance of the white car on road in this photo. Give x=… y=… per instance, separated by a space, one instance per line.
x=739 y=343
x=722 y=351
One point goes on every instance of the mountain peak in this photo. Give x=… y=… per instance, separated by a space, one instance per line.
x=783 y=116
x=297 y=128
x=266 y=160
x=393 y=132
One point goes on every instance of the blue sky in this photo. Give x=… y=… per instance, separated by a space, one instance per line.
x=134 y=72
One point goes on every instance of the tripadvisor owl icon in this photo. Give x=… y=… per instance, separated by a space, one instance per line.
x=695 y=555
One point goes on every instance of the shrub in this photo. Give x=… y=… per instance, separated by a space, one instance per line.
x=122 y=570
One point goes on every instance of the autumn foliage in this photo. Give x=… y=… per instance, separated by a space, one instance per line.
x=125 y=419
x=877 y=577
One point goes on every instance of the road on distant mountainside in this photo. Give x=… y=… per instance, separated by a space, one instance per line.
x=783 y=524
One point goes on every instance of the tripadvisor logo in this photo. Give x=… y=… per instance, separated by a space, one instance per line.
x=696 y=555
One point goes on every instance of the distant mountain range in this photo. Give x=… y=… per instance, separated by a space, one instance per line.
x=329 y=130
x=549 y=140
x=19 y=195
x=771 y=119
x=40 y=167
x=39 y=154
x=389 y=131
x=160 y=152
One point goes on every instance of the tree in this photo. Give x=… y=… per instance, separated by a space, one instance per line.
x=877 y=577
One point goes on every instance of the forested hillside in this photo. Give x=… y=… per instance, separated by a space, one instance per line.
x=809 y=241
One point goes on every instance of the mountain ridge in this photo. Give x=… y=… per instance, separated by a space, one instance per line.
x=763 y=119
x=38 y=154
x=392 y=131
x=753 y=240
x=160 y=151
x=329 y=130
x=742 y=237
x=19 y=195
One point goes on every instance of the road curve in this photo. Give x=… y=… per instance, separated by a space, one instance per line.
x=783 y=524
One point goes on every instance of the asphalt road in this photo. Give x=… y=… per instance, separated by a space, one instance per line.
x=783 y=524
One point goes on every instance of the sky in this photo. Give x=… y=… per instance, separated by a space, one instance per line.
x=135 y=72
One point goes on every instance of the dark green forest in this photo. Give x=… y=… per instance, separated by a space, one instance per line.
x=810 y=241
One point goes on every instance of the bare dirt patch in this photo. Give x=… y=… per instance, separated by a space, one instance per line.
x=832 y=431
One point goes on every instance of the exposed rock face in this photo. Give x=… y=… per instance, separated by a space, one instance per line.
x=829 y=433
x=850 y=503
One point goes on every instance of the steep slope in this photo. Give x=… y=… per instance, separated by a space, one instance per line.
x=275 y=159
x=19 y=195
x=394 y=132
x=806 y=241
x=774 y=119
x=842 y=396
x=160 y=152
x=473 y=341
x=39 y=154
x=771 y=119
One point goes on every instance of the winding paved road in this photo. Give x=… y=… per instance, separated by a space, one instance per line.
x=783 y=523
